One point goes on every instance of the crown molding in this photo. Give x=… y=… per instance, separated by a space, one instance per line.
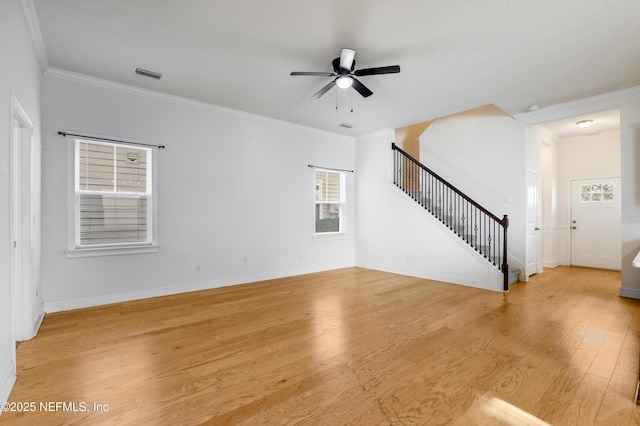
x=588 y=105
x=33 y=25
x=177 y=100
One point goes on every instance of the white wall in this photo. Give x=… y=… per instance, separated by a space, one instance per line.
x=20 y=76
x=482 y=152
x=231 y=185
x=396 y=235
x=630 y=170
x=581 y=157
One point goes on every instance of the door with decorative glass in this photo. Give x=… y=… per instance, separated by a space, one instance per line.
x=596 y=223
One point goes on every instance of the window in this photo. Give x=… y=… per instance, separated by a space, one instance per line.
x=113 y=200
x=329 y=199
x=596 y=192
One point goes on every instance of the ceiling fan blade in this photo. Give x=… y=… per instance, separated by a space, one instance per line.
x=319 y=74
x=324 y=90
x=361 y=88
x=391 y=69
x=346 y=58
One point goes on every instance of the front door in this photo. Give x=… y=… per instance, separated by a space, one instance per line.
x=596 y=223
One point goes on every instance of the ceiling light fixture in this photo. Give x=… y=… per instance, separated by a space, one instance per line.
x=583 y=124
x=344 y=81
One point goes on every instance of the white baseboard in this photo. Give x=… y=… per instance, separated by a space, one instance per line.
x=496 y=285
x=67 y=305
x=551 y=263
x=632 y=293
x=6 y=382
x=38 y=322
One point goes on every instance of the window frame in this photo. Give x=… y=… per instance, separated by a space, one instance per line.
x=75 y=250
x=601 y=193
x=342 y=204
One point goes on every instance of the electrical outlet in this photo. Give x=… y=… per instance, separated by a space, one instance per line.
x=245 y=259
x=634 y=218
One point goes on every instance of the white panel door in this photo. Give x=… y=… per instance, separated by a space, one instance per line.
x=596 y=223
x=533 y=228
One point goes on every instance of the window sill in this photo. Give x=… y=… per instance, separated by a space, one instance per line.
x=109 y=251
x=330 y=236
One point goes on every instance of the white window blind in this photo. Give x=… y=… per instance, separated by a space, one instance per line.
x=329 y=199
x=113 y=194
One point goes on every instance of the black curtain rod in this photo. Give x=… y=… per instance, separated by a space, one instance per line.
x=111 y=140
x=330 y=168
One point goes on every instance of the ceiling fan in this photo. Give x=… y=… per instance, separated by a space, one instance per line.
x=343 y=71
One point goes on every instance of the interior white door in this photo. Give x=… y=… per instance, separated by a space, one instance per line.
x=15 y=220
x=596 y=223
x=533 y=243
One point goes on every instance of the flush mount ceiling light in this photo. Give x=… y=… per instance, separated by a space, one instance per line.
x=583 y=124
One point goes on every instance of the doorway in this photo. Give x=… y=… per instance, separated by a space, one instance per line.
x=595 y=223
x=570 y=152
x=24 y=199
x=534 y=246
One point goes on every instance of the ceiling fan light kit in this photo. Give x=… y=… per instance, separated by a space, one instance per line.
x=343 y=71
x=344 y=82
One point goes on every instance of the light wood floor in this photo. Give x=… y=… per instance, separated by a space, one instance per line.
x=351 y=346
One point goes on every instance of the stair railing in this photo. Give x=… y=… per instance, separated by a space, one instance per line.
x=477 y=226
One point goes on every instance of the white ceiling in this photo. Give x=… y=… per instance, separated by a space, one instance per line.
x=455 y=55
x=604 y=121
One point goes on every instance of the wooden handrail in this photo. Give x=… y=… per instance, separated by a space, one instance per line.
x=453 y=188
x=503 y=222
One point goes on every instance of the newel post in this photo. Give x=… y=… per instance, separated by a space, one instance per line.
x=505 y=265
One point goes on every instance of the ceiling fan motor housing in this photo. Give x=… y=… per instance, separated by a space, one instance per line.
x=338 y=70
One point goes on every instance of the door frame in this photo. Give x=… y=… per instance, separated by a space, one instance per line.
x=538 y=220
x=570 y=210
x=21 y=187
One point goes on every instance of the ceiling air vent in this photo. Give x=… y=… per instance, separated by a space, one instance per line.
x=346 y=125
x=148 y=73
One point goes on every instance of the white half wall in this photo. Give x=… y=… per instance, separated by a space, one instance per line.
x=236 y=198
x=396 y=235
x=20 y=77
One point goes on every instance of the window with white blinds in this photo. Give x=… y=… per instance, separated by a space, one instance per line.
x=113 y=190
x=329 y=200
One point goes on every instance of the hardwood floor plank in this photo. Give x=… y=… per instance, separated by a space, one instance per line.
x=583 y=408
x=351 y=346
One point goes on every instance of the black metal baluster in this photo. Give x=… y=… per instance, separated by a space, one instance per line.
x=477 y=226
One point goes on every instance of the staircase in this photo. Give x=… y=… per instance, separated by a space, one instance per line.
x=467 y=219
